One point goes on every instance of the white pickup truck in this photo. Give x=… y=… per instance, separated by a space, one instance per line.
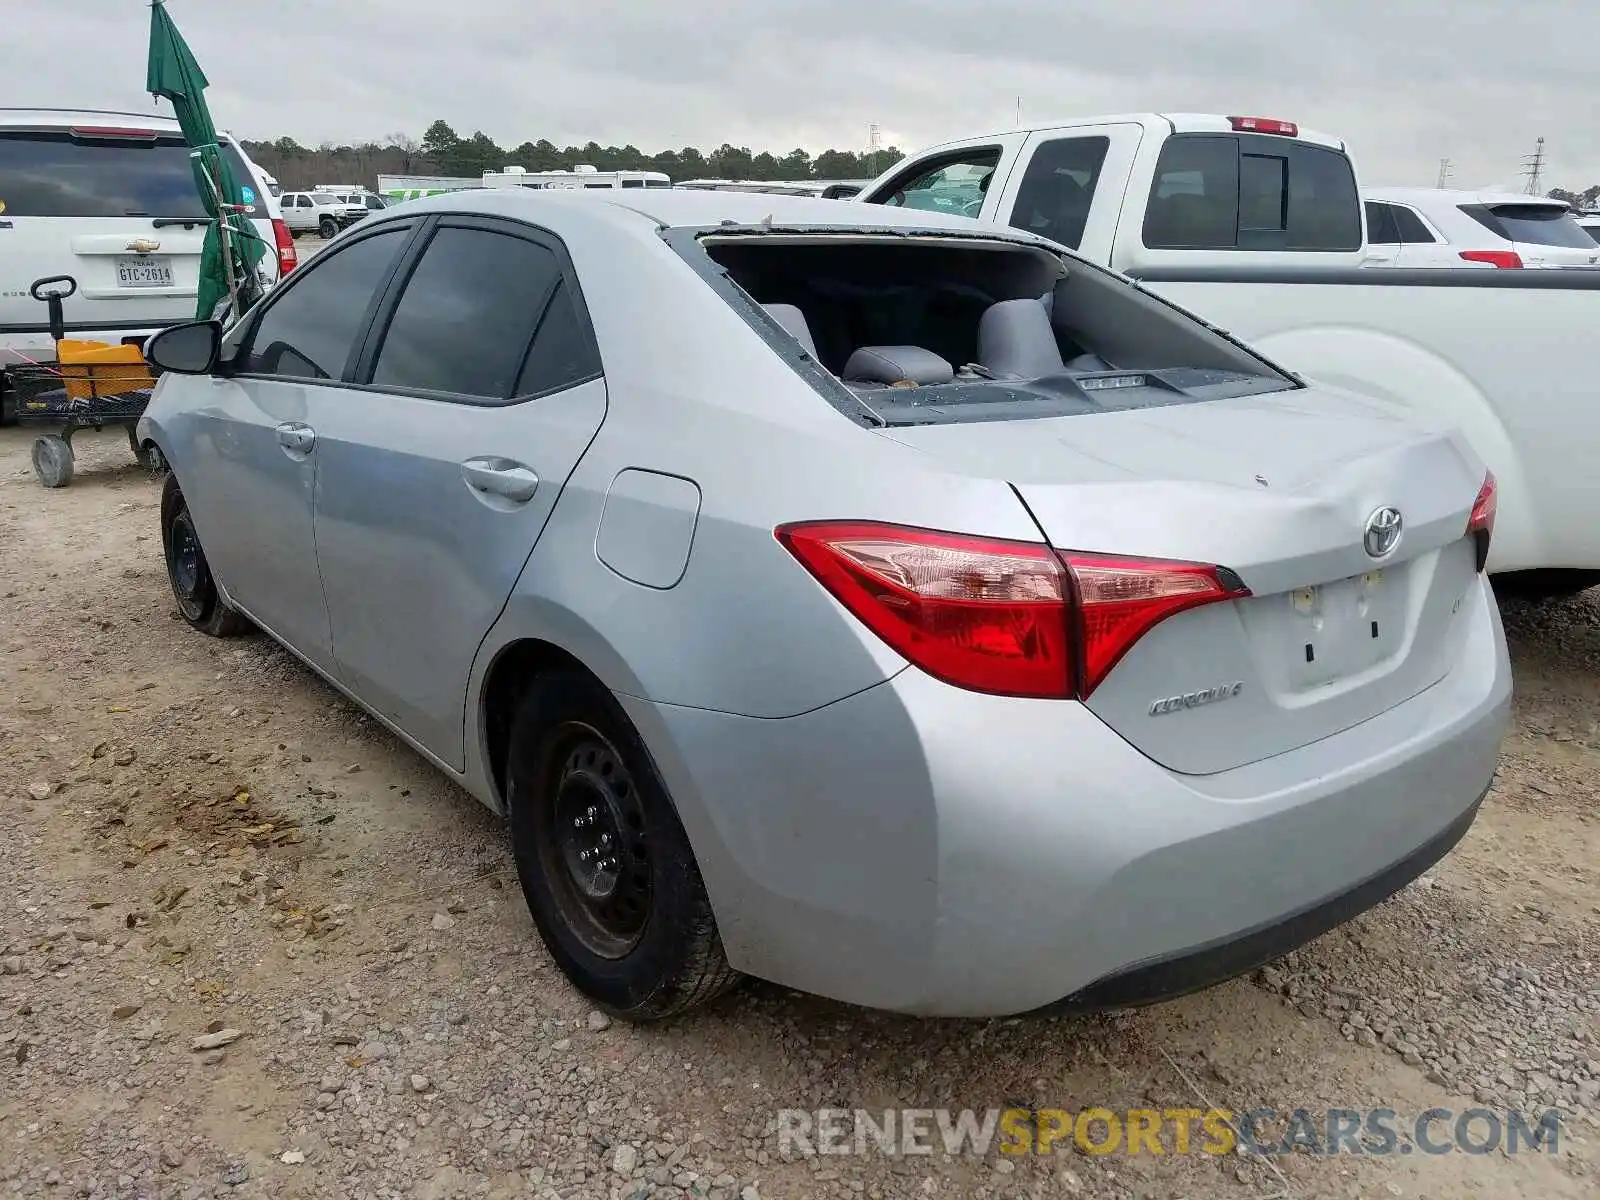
x=1256 y=226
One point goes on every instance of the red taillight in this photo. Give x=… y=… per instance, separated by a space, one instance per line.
x=1505 y=259
x=1480 y=526
x=109 y=131
x=1264 y=125
x=288 y=256
x=1009 y=618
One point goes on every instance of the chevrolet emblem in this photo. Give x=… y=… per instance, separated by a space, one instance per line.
x=144 y=245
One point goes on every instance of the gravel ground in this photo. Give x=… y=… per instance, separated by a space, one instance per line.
x=252 y=947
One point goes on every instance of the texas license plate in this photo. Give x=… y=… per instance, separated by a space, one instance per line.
x=144 y=272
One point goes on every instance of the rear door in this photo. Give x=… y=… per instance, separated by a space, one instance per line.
x=1383 y=235
x=1069 y=183
x=482 y=389
x=116 y=209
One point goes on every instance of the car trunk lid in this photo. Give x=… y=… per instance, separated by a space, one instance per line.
x=1281 y=489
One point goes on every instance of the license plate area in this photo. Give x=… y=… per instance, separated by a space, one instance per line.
x=1339 y=629
x=144 y=272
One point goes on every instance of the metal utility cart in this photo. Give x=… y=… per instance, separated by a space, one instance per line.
x=90 y=385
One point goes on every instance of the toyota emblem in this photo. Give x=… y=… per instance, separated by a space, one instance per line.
x=1383 y=532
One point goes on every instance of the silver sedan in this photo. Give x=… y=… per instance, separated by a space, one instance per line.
x=896 y=608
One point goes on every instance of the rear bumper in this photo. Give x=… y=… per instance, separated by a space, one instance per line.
x=920 y=848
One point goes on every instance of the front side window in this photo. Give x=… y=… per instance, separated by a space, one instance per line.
x=1058 y=188
x=309 y=331
x=468 y=314
x=955 y=184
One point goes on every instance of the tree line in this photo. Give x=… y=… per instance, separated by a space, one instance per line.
x=1585 y=199
x=442 y=151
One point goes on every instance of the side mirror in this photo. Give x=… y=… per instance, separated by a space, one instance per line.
x=189 y=349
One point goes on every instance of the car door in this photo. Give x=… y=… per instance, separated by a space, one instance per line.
x=1420 y=245
x=251 y=468
x=481 y=389
x=1383 y=236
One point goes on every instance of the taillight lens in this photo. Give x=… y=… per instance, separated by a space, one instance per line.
x=288 y=256
x=1264 y=125
x=989 y=615
x=1505 y=259
x=1480 y=526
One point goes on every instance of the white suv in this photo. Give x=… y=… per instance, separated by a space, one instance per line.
x=108 y=198
x=1433 y=227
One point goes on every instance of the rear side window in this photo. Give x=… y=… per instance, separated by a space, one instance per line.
x=1412 y=231
x=309 y=331
x=1383 y=228
x=1058 y=188
x=57 y=174
x=1250 y=192
x=468 y=315
x=563 y=353
x=1534 y=224
x=1593 y=231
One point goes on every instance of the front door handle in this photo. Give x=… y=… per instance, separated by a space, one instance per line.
x=501 y=477
x=292 y=435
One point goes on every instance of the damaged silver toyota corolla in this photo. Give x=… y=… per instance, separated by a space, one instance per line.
x=886 y=605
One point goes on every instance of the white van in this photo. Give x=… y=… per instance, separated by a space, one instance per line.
x=108 y=198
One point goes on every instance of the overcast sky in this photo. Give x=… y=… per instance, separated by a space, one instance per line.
x=1404 y=82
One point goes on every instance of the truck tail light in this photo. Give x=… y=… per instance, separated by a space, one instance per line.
x=1505 y=259
x=1264 y=125
x=288 y=256
x=1480 y=526
x=1003 y=617
x=110 y=131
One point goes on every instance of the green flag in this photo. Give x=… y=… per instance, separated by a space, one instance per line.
x=174 y=75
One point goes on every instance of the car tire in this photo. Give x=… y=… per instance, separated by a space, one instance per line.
x=53 y=460
x=327 y=228
x=199 y=601
x=605 y=865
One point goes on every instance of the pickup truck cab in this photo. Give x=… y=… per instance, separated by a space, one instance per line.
x=1257 y=226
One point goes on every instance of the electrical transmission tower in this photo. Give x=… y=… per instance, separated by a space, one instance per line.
x=1444 y=173
x=874 y=145
x=1533 y=169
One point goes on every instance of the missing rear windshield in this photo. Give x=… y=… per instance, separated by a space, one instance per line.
x=919 y=331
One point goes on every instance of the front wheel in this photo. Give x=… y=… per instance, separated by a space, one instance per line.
x=199 y=601
x=604 y=863
x=328 y=228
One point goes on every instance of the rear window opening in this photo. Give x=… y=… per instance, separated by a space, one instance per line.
x=933 y=329
x=59 y=174
x=1531 y=224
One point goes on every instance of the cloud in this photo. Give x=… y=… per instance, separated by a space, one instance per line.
x=1404 y=83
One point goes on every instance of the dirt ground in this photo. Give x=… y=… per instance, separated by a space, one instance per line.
x=202 y=841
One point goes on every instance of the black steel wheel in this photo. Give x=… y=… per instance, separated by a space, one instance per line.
x=605 y=864
x=199 y=601
x=327 y=228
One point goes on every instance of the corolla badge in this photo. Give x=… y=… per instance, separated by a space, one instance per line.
x=1172 y=704
x=1383 y=532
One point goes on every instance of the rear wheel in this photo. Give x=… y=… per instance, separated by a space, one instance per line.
x=199 y=601
x=328 y=228
x=605 y=865
x=52 y=460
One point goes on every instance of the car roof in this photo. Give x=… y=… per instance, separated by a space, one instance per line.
x=1176 y=122
x=69 y=118
x=704 y=209
x=1445 y=197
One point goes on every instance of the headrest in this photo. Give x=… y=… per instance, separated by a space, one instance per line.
x=794 y=321
x=1015 y=340
x=897 y=364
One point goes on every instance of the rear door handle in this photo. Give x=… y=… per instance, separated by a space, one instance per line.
x=501 y=477
x=292 y=435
